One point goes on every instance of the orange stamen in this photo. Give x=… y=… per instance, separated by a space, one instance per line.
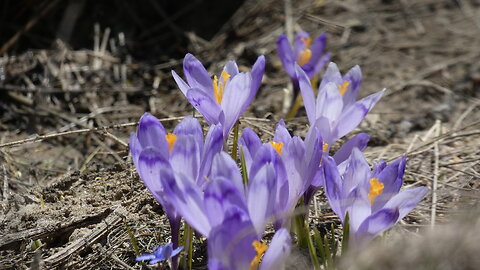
x=376 y=188
x=171 y=138
x=278 y=146
x=343 y=87
x=260 y=248
x=218 y=87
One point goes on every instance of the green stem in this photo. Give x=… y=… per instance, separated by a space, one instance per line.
x=302 y=232
x=243 y=164
x=235 y=141
x=311 y=249
x=189 y=243
x=346 y=234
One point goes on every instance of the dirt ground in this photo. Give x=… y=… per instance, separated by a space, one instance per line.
x=72 y=198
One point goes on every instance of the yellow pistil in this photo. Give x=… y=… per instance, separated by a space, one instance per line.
x=260 y=248
x=171 y=138
x=218 y=87
x=324 y=147
x=376 y=188
x=306 y=53
x=278 y=146
x=343 y=87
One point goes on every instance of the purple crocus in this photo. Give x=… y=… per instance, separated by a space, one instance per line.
x=372 y=199
x=184 y=150
x=336 y=112
x=222 y=212
x=160 y=254
x=299 y=158
x=221 y=100
x=308 y=56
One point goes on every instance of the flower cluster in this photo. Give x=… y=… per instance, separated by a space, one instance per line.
x=231 y=204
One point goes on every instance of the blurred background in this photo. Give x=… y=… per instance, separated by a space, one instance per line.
x=80 y=73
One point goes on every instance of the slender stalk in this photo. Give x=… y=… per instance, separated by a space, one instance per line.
x=244 y=169
x=235 y=141
x=311 y=249
x=302 y=231
x=133 y=241
x=346 y=234
x=189 y=240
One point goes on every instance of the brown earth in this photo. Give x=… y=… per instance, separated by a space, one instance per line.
x=78 y=196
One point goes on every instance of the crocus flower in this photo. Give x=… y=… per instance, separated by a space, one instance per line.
x=223 y=99
x=358 y=141
x=184 y=150
x=372 y=199
x=335 y=112
x=222 y=212
x=300 y=158
x=160 y=254
x=308 y=56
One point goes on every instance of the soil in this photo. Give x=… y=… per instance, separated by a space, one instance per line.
x=75 y=200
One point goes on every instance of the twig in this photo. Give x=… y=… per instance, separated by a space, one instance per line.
x=5 y=184
x=39 y=138
x=435 y=173
x=288 y=92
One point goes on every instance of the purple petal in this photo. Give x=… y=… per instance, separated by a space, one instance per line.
x=196 y=74
x=145 y=257
x=150 y=165
x=392 y=178
x=353 y=115
x=250 y=143
x=184 y=87
x=231 y=68
x=359 y=141
x=278 y=251
x=307 y=94
x=282 y=134
x=299 y=43
x=190 y=126
x=185 y=156
x=406 y=200
x=261 y=196
x=225 y=167
x=135 y=148
x=354 y=76
x=286 y=56
x=230 y=243
x=187 y=198
x=357 y=173
x=375 y=224
x=176 y=251
x=213 y=145
x=323 y=126
x=257 y=74
x=359 y=208
x=329 y=103
x=321 y=63
x=312 y=67
x=151 y=133
x=236 y=95
x=333 y=187
x=220 y=195
x=332 y=74
x=313 y=156
x=206 y=105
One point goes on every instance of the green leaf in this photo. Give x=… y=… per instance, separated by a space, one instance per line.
x=346 y=234
x=243 y=168
x=311 y=248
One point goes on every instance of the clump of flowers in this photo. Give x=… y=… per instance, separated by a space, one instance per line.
x=230 y=199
